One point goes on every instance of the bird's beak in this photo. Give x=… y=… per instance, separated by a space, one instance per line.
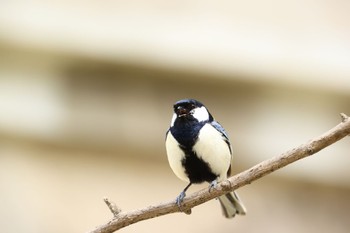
x=181 y=111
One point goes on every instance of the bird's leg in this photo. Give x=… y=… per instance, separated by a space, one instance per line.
x=213 y=185
x=182 y=195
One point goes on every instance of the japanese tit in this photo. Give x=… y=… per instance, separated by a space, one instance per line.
x=199 y=150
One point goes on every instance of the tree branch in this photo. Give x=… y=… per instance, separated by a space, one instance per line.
x=123 y=219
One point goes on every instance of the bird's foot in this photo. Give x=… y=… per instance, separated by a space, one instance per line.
x=180 y=198
x=213 y=185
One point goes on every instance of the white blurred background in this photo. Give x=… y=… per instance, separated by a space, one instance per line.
x=86 y=94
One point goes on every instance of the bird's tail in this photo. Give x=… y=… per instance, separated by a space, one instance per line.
x=232 y=205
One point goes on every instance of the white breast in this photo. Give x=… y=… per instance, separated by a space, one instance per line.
x=212 y=148
x=175 y=156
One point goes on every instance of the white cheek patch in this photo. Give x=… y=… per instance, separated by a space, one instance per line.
x=201 y=114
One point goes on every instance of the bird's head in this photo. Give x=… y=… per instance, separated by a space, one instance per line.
x=190 y=109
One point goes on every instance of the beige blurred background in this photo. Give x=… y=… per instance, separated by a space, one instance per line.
x=86 y=94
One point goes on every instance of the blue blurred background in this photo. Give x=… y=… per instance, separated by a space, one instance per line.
x=86 y=94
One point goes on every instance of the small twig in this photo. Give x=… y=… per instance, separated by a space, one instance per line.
x=112 y=207
x=343 y=117
x=264 y=168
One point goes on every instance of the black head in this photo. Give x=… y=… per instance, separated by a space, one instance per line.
x=185 y=106
x=191 y=109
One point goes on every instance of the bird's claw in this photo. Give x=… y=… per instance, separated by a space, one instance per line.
x=180 y=198
x=213 y=185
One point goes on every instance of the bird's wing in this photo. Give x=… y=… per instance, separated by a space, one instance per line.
x=219 y=128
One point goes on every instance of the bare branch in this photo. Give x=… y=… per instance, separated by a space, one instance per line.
x=123 y=219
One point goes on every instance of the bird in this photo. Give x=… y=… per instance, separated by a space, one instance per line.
x=199 y=150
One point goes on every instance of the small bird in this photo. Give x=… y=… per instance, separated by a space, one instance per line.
x=199 y=150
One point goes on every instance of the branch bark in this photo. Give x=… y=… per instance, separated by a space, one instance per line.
x=123 y=219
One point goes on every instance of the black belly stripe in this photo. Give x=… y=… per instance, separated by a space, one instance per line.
x=186 y=132
x=197 y=170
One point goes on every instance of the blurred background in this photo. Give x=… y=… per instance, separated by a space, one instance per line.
x=86 y=94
